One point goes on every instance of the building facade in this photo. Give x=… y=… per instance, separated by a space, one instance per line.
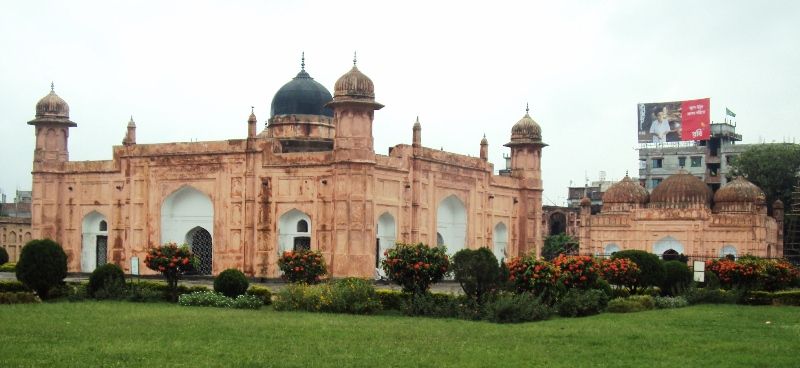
x=14 y=233
x=310 y=180
x=681 y=216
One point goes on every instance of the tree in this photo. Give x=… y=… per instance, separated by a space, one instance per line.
x=477 y=271
x=772 y=167
x=42 y=265
x=559 y=244
x=171 y=261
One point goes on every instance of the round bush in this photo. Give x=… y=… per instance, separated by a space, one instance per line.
x=477 y=271
x=651 y=268
x=416 y=267
x=42 y=265
x=677 y=277
x=302 y=266
x=231 y=283
x=3 y=256
x=107 y=275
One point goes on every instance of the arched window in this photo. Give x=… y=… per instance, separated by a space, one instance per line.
x=294 y=231
x=103 y=225
x=558 y=223
x=728 y=250
x=386 y=236
x=667 y=243
x=302 y=226
x=451 y=224
x=500 y=239
x=670 y=255
x=610 y=249
x=201 y=244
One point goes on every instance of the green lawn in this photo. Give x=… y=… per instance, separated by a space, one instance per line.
x=127 y=334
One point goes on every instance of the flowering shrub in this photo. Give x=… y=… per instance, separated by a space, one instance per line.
x=580 y=272
x=349 y=295
x=666 y=302
x=171 y=261
x=621 y=272
x=416 y=267
x=528 y=274
x=753 y=273
x=302 y=266
x=215 y=299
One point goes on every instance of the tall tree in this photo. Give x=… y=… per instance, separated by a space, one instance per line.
x=775 y=168
x=559 y=244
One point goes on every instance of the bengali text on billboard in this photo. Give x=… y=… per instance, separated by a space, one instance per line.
x=675 y=121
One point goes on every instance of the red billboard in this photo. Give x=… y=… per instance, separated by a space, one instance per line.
x=674 y=121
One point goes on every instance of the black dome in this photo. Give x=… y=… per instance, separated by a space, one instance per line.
x=302 y=95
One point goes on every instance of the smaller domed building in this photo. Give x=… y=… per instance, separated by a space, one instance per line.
x=682 y=216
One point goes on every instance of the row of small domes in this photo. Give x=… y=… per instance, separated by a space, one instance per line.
x=683 y=188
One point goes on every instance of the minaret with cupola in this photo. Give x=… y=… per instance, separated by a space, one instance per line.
x=526 y=157
x=52 y=132
x=353 y=238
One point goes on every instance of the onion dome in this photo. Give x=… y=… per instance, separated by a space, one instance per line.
x=52 y=109
x=355 y=87
x=626 y=191
x=526 y=131
x=681 y=190
x=301 y=96
x=739 y=190
x=738 y=195
x=484 y=141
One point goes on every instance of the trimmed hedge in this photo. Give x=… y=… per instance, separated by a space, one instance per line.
x=477 y=271
x=264 y=293
x=20 y=297
x=42 y=265
x=231 y=283
x=788 y=297
x=13 y=286
x=516 y=308
x=106 y=281
x=636 y=303
x=581 y=303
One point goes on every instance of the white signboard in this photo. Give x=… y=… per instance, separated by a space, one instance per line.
x=135 y=266
x=699 y=271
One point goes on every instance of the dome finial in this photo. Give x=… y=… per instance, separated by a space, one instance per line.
x=303 y=61
x=52 y=87
x=355 y=59
x=626 y=172
x=252 y=109
x=527 y=108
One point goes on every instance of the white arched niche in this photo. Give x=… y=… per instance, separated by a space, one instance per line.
x=728 y=250
x=387 y=234
x=451 y=223
x=94 y=241
x=610 y=249
x=184 y=210
x=294 y=231
x=500 y=240
x=666 y=243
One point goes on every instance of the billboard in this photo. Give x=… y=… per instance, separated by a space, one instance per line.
x=662 y=122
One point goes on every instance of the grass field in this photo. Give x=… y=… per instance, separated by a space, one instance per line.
x=128 y=334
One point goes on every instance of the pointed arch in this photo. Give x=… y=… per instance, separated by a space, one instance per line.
x=182 y=211
x=500 y=240
x=728 y=250
x=386 y=236
x=94 y=241
x=666 y=244
x=610 y=249
x=290 y=231
x=451 y=223
x=201 y=244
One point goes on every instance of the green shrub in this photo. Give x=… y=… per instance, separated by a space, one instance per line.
x=666 y=302
x=245 y=301
x=477 y=271
x=79 y=292
x=3 y=256
x=711 y=296
x=42 y=265
x=711 y=280
x=18 y=297
x=431 y=305
x=415 y=267
x=350 y=295
x=392 y=300
x=502 y=277
x=107 y=278
x=788 y=297
x=261 y=292
x=145 y=290
x=635 y=303
x=580 y=303
x=8 y=267
x=231 y=283
x=205 y=299
x=516 y=308
x=302 y=266
x=651 y=268
x=12 y=286
x=677 y=278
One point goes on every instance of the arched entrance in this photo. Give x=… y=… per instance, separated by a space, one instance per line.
x=94 y=241
x=668 y=246
x=558 y=223
x=387 y=233
x=500 y=240
x=184 y=210
x=294 y=231
x=199 y=240
x=451 y=223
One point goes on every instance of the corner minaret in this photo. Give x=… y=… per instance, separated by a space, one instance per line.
x=526 y=157
x=416 y=135
x=52 y=131
x=484 y=149
x=354 y=108
x=130 y=135
x=251 y=123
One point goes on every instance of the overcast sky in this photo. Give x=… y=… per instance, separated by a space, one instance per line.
x=191 y=70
